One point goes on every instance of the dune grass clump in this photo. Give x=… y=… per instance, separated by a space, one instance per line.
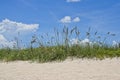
x=60 y=47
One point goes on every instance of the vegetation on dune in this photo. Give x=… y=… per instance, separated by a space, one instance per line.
x=58 y=48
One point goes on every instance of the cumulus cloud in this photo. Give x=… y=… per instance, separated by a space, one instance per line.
x=12 y=26
x=9 y=30
x=5 y=43
x=68 y=19
x=77 y=19
x=84 y=42
x=74 y=41
x=116 y=44
x=73 y=0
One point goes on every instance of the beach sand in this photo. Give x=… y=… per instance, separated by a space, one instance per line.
x=77 y=69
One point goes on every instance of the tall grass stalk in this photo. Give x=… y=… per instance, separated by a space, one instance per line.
x=59 y=47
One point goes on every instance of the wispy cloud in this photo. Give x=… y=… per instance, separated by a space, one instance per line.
x=29 y=4
x=73 y=0
x=103 y=19
x=68 y=19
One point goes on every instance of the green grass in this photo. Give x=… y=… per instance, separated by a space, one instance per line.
x=59 y=51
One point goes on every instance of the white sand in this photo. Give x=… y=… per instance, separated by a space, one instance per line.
x=108 y=69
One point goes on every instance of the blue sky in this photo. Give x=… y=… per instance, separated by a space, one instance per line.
x=41 y=16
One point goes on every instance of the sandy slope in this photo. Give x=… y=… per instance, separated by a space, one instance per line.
x=108 y=69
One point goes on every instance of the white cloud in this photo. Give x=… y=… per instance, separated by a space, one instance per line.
x=74 y=41
x=12 y=26
x=5 y=43
x=73 y=0
x=10 y=29
x=2 y=39
x=77 y=19
x=116 y=44
x=68 y=19
x=84 y=42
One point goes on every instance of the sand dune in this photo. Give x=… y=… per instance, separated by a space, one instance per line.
x=77 y=69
